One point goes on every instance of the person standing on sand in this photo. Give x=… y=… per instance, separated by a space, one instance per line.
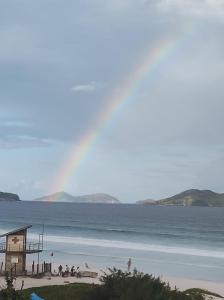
x=60 y=268
x=67 y=270
x=72 y=270
x=129 y=264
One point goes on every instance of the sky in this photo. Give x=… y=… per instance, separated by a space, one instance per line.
x=61 y=62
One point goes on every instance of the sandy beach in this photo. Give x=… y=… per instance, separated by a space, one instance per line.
x=181 y=283
x=186 y=283
x=49 y=280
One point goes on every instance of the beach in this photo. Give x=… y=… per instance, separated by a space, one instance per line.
x=182 y=246
x=186 y=283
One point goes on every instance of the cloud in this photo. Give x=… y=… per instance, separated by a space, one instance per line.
x=195 y=7
x=15 y=142
x=90 y=87
x=13 y=123
x=26 y=187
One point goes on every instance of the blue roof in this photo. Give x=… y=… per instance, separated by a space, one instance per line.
x=35 y=297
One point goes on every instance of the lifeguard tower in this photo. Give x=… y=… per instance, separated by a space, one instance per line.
x=16 y=248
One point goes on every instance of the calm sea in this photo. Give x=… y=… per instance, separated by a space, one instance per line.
x=173 y=241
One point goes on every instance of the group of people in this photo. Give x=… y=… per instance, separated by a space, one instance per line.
x=75 y=272
x=67 y=271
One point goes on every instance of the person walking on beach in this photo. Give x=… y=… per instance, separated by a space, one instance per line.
x=60 y=268
x=129 y=264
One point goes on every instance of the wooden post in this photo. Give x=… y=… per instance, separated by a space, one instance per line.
x=33 y=267
x=1 y=267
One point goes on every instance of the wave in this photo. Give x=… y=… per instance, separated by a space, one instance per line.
x=118 y=244
x=152 y=233
x=175 y=233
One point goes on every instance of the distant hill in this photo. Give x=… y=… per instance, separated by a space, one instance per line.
x=9 y=197
x=93 y=198
x=193 y=197
x=147 y=201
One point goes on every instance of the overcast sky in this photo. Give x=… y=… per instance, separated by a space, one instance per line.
x=59 y=63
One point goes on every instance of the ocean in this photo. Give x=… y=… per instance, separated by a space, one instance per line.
x=171 y=241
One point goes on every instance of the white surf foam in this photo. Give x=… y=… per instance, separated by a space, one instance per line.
x=134 y=246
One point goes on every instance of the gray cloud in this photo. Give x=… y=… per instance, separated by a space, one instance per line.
x=53 y=61
x=203 y=8
x=89 y=87
x=15 y=142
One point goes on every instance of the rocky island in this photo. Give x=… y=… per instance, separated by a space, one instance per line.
x=92 y=198
x=9 y=197
x=192 y=197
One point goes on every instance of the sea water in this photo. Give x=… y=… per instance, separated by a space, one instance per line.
x=172 y=241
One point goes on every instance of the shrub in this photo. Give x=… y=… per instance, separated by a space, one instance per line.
x=119 y=285
x=9 y=293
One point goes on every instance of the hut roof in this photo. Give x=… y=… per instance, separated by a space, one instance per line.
x=16 y=230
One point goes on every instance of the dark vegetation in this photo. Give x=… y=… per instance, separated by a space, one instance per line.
x=118 y=285
x=9 y=197
x=74 y=291
x=202 y=292
x=9 y=293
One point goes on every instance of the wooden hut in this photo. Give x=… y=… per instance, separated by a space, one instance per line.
x=16 y=248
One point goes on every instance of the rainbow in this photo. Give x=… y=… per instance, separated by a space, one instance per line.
x=119 y=99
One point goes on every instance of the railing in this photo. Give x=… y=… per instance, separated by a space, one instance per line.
x=2 y=246
x=34 y=246
x=19 y=248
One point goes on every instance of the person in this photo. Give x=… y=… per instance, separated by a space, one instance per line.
x=72 y=270
x=77 y=273
x=22 y=285
x=60 y=268
x=129 y=264
x=86 y=265
x=67 y=269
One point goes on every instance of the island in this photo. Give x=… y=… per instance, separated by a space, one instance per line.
x=192 y=197
x=92 y=198
x=9 y=197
